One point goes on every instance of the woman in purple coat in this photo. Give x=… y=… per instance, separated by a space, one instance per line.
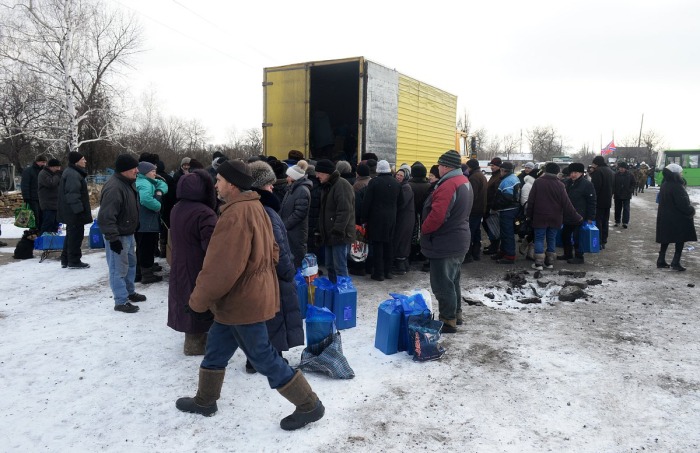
x=192 y=222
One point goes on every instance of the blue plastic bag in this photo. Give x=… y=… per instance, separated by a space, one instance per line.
x=302 y=292
x=345 y=303
x=324 y=292
x=589 y=238
x=411 y=305
x=386 y=338
x=320 y=323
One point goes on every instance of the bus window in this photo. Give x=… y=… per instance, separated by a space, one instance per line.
x=690 y=160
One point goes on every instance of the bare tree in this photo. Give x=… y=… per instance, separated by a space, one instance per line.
x=545 y=142
x=511 y=144
x=74 y=46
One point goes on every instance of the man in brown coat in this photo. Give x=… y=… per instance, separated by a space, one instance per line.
x=238 y=285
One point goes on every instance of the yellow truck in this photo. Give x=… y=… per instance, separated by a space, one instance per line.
x=341 y=109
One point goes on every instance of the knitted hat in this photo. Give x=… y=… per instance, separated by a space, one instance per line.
x=279 y=168
x=674 y=168
x=54 y=163
x=622 y=165
x=435 y=171
x=529 y=165
x=418 y=170
x=383 y=167
x=577 y=167
x=496 y=161
x=74 y=157
x=599 y=161
x=237 y=173
x=297 y=171
x=508 y=166
x=262 y=174
x=473 y=164
x=145 y=167
x=325 y=166
x=185 y=160
x=362 y=170
x=552 y=168
x=450 y=159
x=125 y=162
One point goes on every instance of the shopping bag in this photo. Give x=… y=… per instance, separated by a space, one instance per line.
x=323 y=296
x=359 y=249
x=411 y=305
x=24 y=217
x=386 y=337
x=424 y=332
x=320 y=322
x=327 y=357
x=345 y=303
x=589 y=238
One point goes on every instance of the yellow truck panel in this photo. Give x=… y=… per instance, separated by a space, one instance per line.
x=286 y=110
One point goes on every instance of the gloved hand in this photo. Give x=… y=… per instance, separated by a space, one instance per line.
x=158 y=195
x=116 y=246
x=204 y=316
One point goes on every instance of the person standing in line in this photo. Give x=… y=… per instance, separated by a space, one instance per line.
x=507 y=204
x=74 y=210
x=118 y=219
x=294 y=210
x=420 y=186
x=674 y=219
x=582 y=196
x=445 y=237
x=336 y=220
x=49 y=180
x=242 y=295
x=478 y=183
x=151 y=191
x=405 y=221
x=379 y=214
x=623 y=188
x=192 y=223
x=30 y=187
x=492 y=226
x=180 y=172
x=603 y=180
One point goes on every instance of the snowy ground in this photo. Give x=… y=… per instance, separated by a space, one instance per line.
x=617 y=371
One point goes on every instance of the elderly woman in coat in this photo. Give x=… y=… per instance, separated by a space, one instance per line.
x=192 y=222
x=295 y=210
x=151 y=190
x=674 y=221
x=405 y=221
x=285 y=329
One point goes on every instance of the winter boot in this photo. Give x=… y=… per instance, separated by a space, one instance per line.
x=493 y=247
x=468 y=258
x=308 y=407
x=506 y=259
x=448 y=325
x=568 y=253
x=578 y=259
x=157 y=267
x=661 y=260
x=147 y=276
x=549 y=259
x=426 y=266
x=204 y=402
x=460 y=318
x=676 y=261
x=400 y=266
x=195 y=343
x=539 y=262
x=530 y=254
x=498 y=255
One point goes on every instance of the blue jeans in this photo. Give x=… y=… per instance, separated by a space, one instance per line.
x=122 y=269
x=545 y=233
x=337 y=261
x=223 y=341
x=444 y=281
x=507 y=222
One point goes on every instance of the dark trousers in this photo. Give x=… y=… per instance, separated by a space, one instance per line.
x=602 y=219
x=48 y=222
x=566 y=238
x=382 y=257
x=445 y=283
x=622 y=207
x=223 y=341
x=475 y=230
x=676 y=256
x=71 y=245
x=145 y=249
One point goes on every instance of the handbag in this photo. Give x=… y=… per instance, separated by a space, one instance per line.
x=327 y=357
x=24 y=217
x=424 y=332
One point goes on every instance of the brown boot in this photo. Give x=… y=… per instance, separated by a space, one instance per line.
x=195 y=343
x=204 y=403
x=448 y=325
x=550 y=259
x=308 y=407
x=539 y=261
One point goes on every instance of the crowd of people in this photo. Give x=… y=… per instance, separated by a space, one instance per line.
x=235 y=233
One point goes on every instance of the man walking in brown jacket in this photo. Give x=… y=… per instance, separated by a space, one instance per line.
x=238 y=285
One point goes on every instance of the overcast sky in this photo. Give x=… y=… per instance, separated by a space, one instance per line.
x=587 y=68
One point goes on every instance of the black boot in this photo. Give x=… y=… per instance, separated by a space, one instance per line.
x=308 y=407
x=578 y=259
x=476 y=251
x=676 y=262
x=493 y=247
x=147 y=276
x=661 y=260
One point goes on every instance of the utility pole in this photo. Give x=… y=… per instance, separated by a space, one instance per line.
x=639 y=140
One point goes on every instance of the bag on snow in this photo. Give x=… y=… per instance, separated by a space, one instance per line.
x=424 y=333
x=327 y=358
x=24 y=217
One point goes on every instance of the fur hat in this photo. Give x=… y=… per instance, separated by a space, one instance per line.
x=325 y=166
x=577 y=167
x=362 y=169
x=552 y=168
x=599 y=161
x=450 y=159
x=368 y=156
x=297 y=171
x=383 y=167
x=262 y=174
x=311 y=170
x=279 y=168
x=40 y=158
x=674 y=168
x=237 y=173
x=125 y=162
x=145 y=167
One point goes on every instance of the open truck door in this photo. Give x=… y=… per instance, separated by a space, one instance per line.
x=286 y=110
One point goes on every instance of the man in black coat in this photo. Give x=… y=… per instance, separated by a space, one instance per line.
x=603 y=180
x=623 y=188
x=30 y=186
x=49 y=180
x=583 y=198
x=74 y=210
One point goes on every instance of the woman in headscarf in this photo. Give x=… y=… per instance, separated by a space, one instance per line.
x=405 y=221
x=674 y=221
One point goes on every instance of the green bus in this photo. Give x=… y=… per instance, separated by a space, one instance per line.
x=689 y=159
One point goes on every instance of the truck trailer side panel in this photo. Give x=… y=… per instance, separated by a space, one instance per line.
x=286 y=110
x=426 y=122
x=381 y=111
